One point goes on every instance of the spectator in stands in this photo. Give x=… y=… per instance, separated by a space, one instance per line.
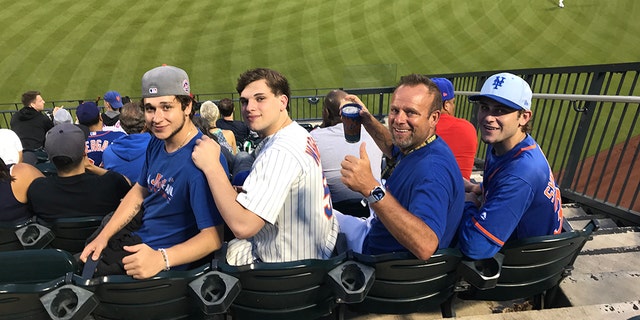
x=15 y=179
x=419 y=207
x=204 y=127
x=80 y=188
x=226 y=138
x=459 y=134
x=62 y=116
x=519 y=196
x=89 y=115
x=333 y=148
x=126 y=153
x=111 y=117
x=283 y=212
x=31 y=125
x=240 y=129
x=10 y=147
x=180 y=222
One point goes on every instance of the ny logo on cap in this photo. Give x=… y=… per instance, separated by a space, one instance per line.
x=498 y=82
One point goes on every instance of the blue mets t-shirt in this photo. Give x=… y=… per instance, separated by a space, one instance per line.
x=180 y=202
x=426 y=182
x=521 y=200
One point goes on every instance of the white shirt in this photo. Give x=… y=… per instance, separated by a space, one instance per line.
x=10 y=146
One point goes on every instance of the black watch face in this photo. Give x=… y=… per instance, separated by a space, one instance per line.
x=377 y=193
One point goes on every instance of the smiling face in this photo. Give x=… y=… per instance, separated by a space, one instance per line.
x=165 y=118
x=500 y=125
x=262 y=110
x=411 y=121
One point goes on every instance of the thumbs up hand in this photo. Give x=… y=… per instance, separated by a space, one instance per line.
x=356 y=172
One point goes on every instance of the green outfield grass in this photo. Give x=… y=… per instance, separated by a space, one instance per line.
x=80 y=49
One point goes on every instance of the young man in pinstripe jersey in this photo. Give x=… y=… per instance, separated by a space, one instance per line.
x=283 y=212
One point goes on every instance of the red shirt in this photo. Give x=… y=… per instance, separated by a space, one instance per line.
x=460 y=135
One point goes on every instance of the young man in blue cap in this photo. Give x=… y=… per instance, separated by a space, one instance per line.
x=112 y=105
x=519 y=196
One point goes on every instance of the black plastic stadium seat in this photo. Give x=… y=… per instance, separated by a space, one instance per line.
x=27 y=275
x=532 y=267
x=296 y=290
x=71 y=233
x=404 y=284
x=8 y=239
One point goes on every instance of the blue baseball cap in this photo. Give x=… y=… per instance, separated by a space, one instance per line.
x=114 y=99
x=446 y=87
x=507 y=89
x=87 y=112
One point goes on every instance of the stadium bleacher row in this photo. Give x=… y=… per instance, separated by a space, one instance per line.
x=47 y=282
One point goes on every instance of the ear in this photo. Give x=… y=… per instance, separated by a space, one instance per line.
x=187 y=110
x=435 y=116
x=283 y=102
x=524 y=118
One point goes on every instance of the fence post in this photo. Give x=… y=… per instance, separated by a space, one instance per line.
x=582 y=131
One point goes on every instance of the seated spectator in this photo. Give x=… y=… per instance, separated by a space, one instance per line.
x=89 y=115
x=418 y=208
x=203 y=126
x=333 y=148
x=125 y=154
x=30 y=124
x=209 y=111
x=240 y=129
x=111 y=117
x=80 y=188
x=283 y=212
x=180 y=222
x=62 y=116
x=10 y=147
x=520 y=198
x=459 y=134
x=14 y=181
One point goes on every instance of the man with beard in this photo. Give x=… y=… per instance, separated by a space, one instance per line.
x=418 y=208
x=180 y=222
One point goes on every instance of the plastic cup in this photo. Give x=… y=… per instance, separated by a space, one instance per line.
x=351 y=121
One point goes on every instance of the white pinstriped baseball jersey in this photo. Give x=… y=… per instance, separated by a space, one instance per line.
x=286 y=187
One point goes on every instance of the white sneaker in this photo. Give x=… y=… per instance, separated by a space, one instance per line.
x=561 y=5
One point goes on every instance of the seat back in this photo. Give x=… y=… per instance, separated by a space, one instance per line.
x=164 y=296
x=287 y=290
x=26 y=275
x=533 y=265
x=8 y=239
x=71 y=233
x=404 y=284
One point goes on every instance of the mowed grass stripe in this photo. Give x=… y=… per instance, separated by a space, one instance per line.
x=26 y=66
x=314 y=43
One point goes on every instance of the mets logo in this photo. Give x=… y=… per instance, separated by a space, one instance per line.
x=498 y=82
x=185 y=85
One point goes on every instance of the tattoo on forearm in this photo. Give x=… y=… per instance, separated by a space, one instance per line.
x=133 y=213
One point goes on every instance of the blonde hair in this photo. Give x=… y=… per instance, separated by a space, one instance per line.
x=210 y=112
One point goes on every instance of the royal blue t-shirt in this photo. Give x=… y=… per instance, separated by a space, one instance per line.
x=426 y=182
x=521 y=200
x=180 y=202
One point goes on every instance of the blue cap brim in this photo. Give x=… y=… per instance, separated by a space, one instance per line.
x=501 y=100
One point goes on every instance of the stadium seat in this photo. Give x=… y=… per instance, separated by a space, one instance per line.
x=71 y=233
x=28 y=275
x=404 y=284
x=164 y=296
x=295 y=290
x=532 y=267
x=8 y=239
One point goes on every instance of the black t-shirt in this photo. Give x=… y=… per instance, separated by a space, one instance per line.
x=77 y=196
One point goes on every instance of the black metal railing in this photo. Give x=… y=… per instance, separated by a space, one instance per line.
x=584 y=118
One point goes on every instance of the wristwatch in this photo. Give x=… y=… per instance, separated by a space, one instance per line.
x=376 y=195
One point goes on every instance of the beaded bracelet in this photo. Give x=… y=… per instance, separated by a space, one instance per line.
x=166 y=259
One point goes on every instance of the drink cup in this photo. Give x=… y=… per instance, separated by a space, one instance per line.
x=351 y=121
